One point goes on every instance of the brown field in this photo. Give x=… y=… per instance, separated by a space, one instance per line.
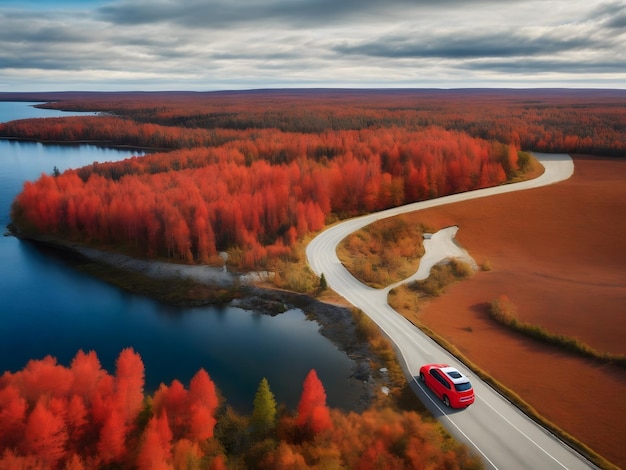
x=559 y=254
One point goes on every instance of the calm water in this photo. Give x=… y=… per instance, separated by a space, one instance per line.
x=46 y=307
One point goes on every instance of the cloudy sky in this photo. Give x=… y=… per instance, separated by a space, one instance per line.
x=239 y=44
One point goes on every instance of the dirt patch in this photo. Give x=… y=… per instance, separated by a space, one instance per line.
x=559 y=254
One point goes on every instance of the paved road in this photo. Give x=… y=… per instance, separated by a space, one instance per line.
x=496 y=430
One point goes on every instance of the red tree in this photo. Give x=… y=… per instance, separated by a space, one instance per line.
x=76 y=419
x=186 y=454
x=45 y=435
x=12 y=416
x=173 y=400
x=43 y=377
x=111 y=446
x=9 y=460
x=203 y=403
x=87 y=372
x=156 y=446
x=129 y=382
x=313 y=414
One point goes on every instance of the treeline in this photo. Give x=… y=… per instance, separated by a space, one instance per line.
x=113 y=130
x=256 y=171
x=79 y=417
x=260 y=192
x=572 y=121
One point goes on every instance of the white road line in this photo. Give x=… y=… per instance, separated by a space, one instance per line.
x=443 y=413
x=521 y=432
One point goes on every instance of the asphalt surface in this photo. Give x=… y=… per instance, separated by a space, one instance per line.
x=492 y=427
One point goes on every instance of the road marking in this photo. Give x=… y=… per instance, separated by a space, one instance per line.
x=424 y=390
x=522 y=432
x=441 y=410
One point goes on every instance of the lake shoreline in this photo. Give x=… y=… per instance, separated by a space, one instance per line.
x=246 y=291
x=96 y=143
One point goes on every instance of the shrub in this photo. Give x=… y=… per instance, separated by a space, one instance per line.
x=523 y=160
x=366 y=329
x=442 y=275
x=295 y=274
x=461 y=269
x=503 y=310
x=404 y=300
x=383 y=252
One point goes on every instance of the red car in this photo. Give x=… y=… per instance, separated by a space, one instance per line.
x=454 y=389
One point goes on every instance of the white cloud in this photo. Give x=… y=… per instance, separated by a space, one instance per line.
x=203 y=45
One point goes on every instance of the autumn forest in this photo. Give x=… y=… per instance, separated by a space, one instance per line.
x=81 y=417
x=259 y=170
x=253 y=173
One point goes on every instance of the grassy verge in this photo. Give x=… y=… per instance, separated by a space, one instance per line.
x=368 y=331
x=407 y=298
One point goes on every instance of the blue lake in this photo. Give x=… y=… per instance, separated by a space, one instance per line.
x=49 y=308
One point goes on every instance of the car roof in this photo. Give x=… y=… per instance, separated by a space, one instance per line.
x=454 y=375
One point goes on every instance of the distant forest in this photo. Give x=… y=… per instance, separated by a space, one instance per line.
x=258 y=170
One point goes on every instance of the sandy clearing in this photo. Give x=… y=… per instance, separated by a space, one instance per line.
x=437 y=246
x=203 y=274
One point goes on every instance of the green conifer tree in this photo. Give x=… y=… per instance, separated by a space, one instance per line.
x=323 y=283
x=263 y=418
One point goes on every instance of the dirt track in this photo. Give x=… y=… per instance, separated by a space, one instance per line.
x=559 y=253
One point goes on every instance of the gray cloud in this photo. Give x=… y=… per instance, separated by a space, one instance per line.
x=618 y=21
x=45 y=34
x=459 y=45
x=612 y=14
x=225 y=13
x=262 y=43
x=534 y=66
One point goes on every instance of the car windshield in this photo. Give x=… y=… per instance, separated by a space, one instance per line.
x=463 y=386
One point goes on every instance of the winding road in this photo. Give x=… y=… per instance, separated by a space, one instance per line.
x=503 y=436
